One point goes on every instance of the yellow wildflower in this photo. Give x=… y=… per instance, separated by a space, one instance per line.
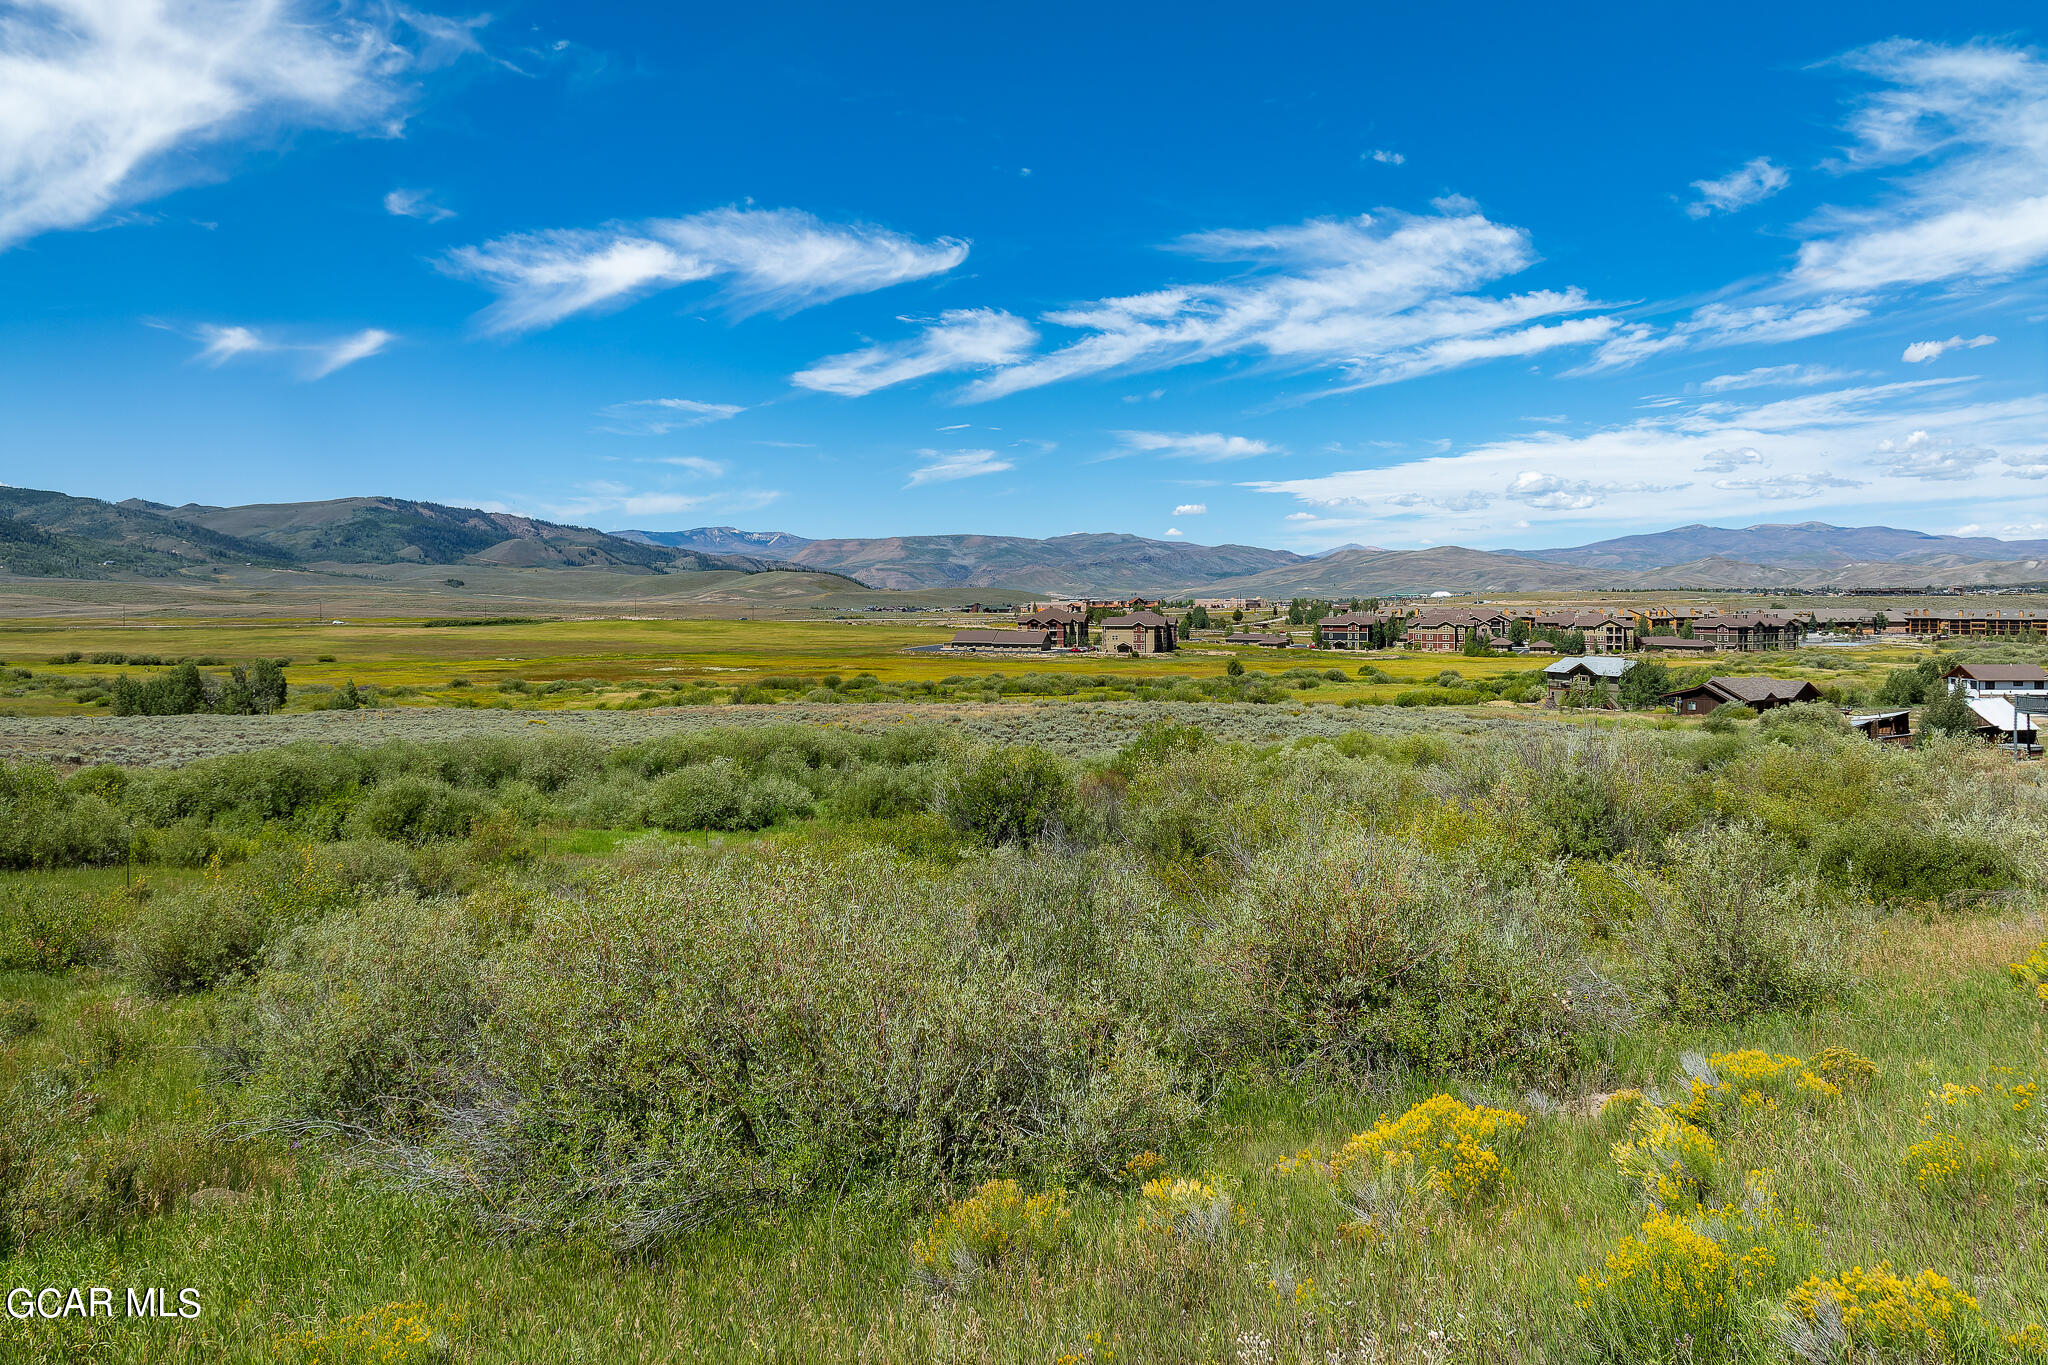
x=994 y=1222
x=1672 y=1161
x=1450 y=1140
x=1882 y=1311
x=389 y=1334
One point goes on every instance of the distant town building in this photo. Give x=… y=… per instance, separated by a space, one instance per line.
x=1263 y=641
x=1761 y=694
x=1067 y=622
x=1140 y=632
x=1997 y=680
x=1600 y=673
x=1749 y=631
x=1353 y=629
x=1445 y=632
x=1945 y=621
x=1001 y=639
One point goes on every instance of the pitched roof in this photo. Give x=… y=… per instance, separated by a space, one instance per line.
x=1599 y=665
x=2000 y=714
x=1060 y=613
x=1356 y=618
x=1999 y=672
x=1763 y=689
x=1678 y=642
x=1257 y=640
x=1139 y=618
x=1015 y=639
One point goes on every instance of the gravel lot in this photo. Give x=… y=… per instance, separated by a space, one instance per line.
x=1076 y=728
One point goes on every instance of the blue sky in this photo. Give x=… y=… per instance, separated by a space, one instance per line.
x=1319 y=274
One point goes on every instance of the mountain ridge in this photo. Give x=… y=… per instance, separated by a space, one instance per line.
x=50 y=534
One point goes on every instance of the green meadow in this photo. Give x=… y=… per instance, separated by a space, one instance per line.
x=1715 y=1042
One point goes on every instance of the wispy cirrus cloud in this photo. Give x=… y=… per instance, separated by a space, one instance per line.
x=1726 y=324
x=316 y=358
x=1206 y=446
x=416 y=204
x=1922 y=351
x=1962 y=131
x=1375 y=298
x=1750 y=183
x=1776 y=376
x=1970 y=124
x=111 y=102
x=959 y=340
x=613 y=503
x=659 y=416
x=761 y=260
x=946 y=466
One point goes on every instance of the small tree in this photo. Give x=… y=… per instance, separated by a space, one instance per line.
x=1948 y=714
x=267 y=684
x=1478 y=644
x=1644 y=684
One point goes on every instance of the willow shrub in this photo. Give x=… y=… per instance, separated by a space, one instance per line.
x=1733 y=929
x=682 y=1037
x=1366 y=954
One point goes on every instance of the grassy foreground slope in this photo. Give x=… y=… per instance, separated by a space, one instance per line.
x=1415 y=1046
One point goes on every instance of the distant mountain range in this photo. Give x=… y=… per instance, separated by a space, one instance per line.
x=1809 y=555
x=54 y=535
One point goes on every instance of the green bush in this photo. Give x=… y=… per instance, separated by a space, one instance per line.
x=1362 y=955
x=1732 y=932
x=1010 y=795
x=415 y=810
x=718 y=795
x=685 y=1038
x=1895 y=859
x=191 y=939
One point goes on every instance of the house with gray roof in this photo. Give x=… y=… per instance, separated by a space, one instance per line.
x=1594 y=673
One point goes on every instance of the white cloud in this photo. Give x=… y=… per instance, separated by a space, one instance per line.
x=611 y=502
x=1750 y=183
x=1921 y=351
x=696 y=464
x=1380 y=298
x=1300 y=516
x=1551 y=492
x=1971 y=123
x=110 y=102
x=415 y=204
x=1387 y=158
x=1173 y=530
x=1799 y=450
x=1963 y=132
x=320 y=358
x=1191 y=509
x=1206 y=446
x=946 y=466
x=659 y=416
x=225 y=343
x=1924 y=456
x=1781 y=487
x=764 y=260
x=1725 y=324
x=333 y=355
x=1728 y=461
x=1776 y=376
x=962 y=339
